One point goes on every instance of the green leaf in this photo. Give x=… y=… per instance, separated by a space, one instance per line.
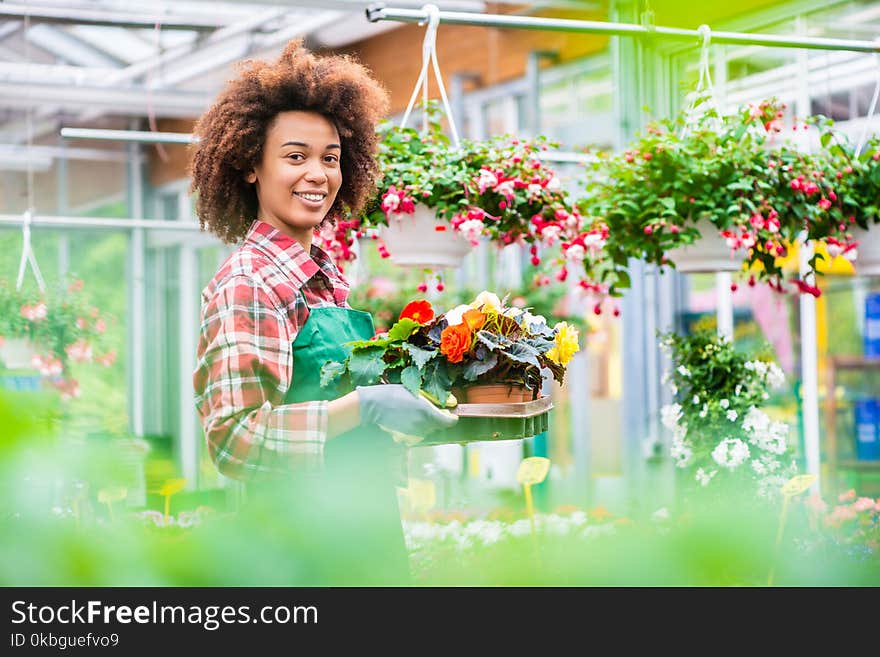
x=666 y=202
x=436 y=379
x=477 y=367
x=419 y=356
x=492 y=341
x=402 y=329
x=522 y=353
x=330 y=372
x=411 y=378
x=366 y=366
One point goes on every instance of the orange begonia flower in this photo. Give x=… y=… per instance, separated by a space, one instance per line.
x=474 y=319
x=454 y=342
x=419 y=311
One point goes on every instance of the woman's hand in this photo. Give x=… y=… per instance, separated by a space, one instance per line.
x=396 y=409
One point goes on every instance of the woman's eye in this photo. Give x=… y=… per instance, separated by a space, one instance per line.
x=295 y=156
x=331 y=158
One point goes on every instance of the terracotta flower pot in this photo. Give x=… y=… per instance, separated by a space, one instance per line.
x=422 y=240
x=496 y=393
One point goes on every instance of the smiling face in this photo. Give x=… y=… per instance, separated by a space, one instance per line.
x=299 y=175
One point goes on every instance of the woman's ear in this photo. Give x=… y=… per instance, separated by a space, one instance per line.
x=251 y=176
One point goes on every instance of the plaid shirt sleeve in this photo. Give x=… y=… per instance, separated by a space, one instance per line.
x=243 y=373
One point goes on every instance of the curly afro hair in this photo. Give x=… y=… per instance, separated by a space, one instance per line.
x=233 y=131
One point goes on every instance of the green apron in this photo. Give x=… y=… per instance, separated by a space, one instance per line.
x=355 y=501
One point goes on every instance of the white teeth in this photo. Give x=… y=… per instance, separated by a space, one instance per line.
x=312 y=197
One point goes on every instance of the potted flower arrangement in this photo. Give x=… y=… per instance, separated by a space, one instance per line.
x=50 y=332
x=484 y=342
x=437 y=200
x=731 y=177
x=720 y=435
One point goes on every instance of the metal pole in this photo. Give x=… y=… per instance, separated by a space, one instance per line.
x=50 y=221
x=380 y=12
x=142 y=136
x=809 y=371
x=725 y=304
x=137 y=294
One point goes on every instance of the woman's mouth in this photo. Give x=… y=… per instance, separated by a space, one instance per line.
x=311 y=199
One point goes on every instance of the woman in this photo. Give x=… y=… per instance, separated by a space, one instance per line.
x=287 y=146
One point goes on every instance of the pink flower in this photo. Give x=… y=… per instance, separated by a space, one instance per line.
x=107 y=359
x=506 y=189
x=816 y=503
x=847 y=496
x=35 y=313
x=863 y=504
x=100 y=326
x=79 y=352
x=471 y=229
x=487 y=180
x=824 y=203
x=81 y=322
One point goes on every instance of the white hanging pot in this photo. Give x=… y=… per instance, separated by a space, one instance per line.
x=710 y=253
x=867 y=262
x=422 y=240
x=17 y=353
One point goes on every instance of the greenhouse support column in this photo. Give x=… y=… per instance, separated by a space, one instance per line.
x=723 y=281
x=809 y=371
x=188 y=323
x=63 y=211
x=136 y=295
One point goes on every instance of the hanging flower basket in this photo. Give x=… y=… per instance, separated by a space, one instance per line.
x=422 y=240
x=710 y=253
x=867 y=261
x=17 y=353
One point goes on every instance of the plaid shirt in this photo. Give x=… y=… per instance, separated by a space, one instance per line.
x=252 y=311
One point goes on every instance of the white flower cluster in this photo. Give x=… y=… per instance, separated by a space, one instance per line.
x=768 y=372
x=481 y=532
x=730 y=453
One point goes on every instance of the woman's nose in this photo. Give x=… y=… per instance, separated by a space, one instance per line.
x=315 y=171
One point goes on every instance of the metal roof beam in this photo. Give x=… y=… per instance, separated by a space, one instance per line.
x=65 y=15
x=126 y=101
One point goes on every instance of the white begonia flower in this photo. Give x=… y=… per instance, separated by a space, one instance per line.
x=765 y=396
x=730 y=453
x=455 y=316
x=488 y=299
x=724 y=403
x=670 y=414
x=696 y=400
x=673 y=388
x=705 y=410
x=704 y=477
x=758 y=467
x=554 y=184
x=685 y=372
x=731 y=415
x=575 y=253
x=738 y=389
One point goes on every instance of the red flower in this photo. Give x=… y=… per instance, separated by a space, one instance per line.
x=454 y=342
x=419 y=311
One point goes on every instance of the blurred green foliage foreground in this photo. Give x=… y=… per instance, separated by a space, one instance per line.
x=65 y=522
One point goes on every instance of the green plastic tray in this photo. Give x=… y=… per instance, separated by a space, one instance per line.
x=493 y=422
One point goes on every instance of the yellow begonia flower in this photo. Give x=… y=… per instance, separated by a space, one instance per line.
x=566 y=344
x=487 y=301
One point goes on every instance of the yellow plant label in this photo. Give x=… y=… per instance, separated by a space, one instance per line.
x=110 y=495
x=422 y=494
x=172 y=486
x=798 y=484
x=533 y=470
